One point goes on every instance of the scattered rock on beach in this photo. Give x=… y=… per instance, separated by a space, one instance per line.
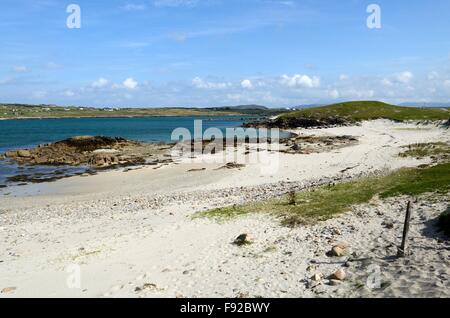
x=338 y=250
x=24 y=153
x=339 y=275
x=98 y=151
x=317 y=277
x=196 y=170
x=232 y=165
x=388 y=225
x=243 y=239
x=8 y=290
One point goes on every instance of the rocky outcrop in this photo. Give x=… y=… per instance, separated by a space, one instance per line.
x=446 y=124
x=92 y=151
x=300 y=122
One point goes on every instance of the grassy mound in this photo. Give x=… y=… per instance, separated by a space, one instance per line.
x=435 y=150
x=328 y=201
x=368 y=110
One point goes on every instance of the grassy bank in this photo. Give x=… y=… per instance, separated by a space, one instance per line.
x=369 y=110
x=436 y=150
x=37 y=111
x=328 y=201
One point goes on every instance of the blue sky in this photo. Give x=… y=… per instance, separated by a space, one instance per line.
x=223 y=52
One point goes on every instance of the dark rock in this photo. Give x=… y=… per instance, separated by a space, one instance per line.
x=293 y=122
x=444 y=221
x=243 y=239
x=96 y=151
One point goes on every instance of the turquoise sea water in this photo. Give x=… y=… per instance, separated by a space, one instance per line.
x=32 y=132
x=28 y=133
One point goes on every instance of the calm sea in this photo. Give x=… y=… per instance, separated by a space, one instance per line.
x=15 y=134
x=32 y=132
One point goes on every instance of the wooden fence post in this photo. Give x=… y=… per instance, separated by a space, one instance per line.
x=402 y=249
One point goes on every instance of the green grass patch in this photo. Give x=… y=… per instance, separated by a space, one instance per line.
x=369 y=110
x=328 y=201
x=439 y=150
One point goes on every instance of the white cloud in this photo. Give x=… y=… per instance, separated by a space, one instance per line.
x=199 y=83
x=101 y=82
x=69 y=93
x=343 y=77
x=447 y=83
x=334 y=94
x=130 y=83
x=386 y=82
x=433 y=75
x=398 y=78
x=247 y=84
x=298 y=80
x=404 y=77
x=21 y=69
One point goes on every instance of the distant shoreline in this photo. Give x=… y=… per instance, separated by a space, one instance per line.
x=134 y=116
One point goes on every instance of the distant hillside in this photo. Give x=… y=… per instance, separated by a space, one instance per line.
x=243 y=107
x=251 y=110
x=17 y=111
x=435 y=105
x=367 y=110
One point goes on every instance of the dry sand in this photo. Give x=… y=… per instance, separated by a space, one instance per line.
x=132 y=233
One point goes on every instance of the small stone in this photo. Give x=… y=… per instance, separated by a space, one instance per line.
x=150 y=286
x=24 y=153
x=388 y=225
x=317 y=277
x=310 y=268
x=338 y=250
x=339 y=274
x=243 y=239
x=8 y=290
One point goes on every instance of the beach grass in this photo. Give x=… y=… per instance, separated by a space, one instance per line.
x=326 y=202
x=370 y=110
x=438 y=150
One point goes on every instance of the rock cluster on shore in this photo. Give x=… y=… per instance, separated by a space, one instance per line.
x=96 y=151
x=294 y=123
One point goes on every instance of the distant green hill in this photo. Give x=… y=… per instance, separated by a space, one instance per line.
x=18 y=111
x=368 y=110
x=14 y=111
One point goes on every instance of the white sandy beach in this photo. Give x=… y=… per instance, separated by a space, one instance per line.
x=132 y=233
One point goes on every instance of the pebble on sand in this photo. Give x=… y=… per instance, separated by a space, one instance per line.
x=8 y=290
x=243 y=239
x=339 y=275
